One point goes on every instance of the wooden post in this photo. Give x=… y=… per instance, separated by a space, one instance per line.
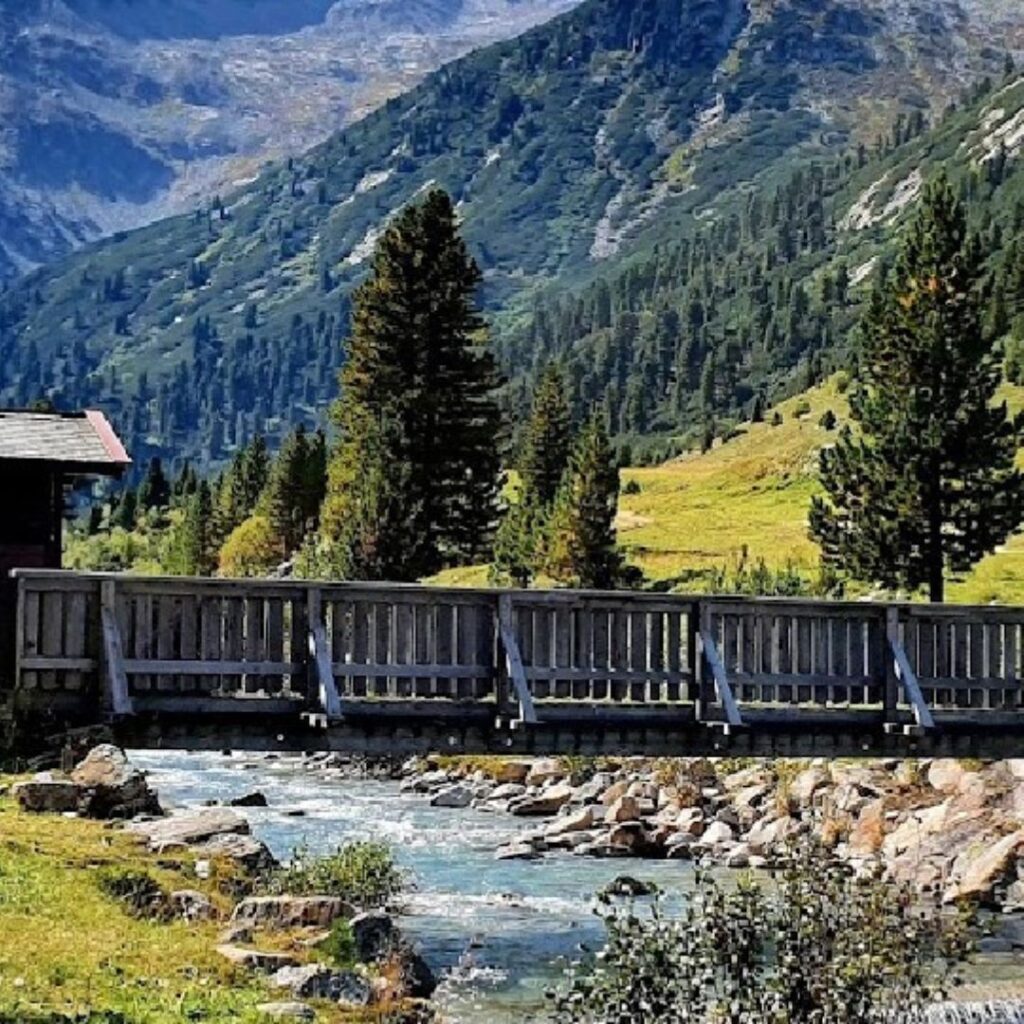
x=514 y=660
x=702 y=673
x=117 y=699
x=890 y=638
x=320 y=668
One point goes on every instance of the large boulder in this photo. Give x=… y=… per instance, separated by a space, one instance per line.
x=111 y=786
x=511 y=772
x=979 y=871
x=48 y=793
x=190 y=828
x=250 y=854
x=318 y=981
x=374 y=934
x=547 y=802
x=453 y=796
x=806 y=785
x=575 y=821
x=544 y=770
x=626 y=808
x=282 y=912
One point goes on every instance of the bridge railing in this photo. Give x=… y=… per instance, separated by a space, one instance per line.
x=140 y=644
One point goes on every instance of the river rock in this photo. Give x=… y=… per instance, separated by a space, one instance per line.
x=111 y=786
x=946 y=775
x=48 y=793
x=507 y=791
x=511 y=772
x=542 y=771
x=803 y=789
x=575 y=821
x=192 y=905
x=716 y=834
x=547 y=802
x=253 y=799
x=627 y=886
x=453 y=796
x=614 y=792
x=254 y=959
x=374 y=935
x=768 y=835
x=318 y=981
x=248 y=852
x=690 y=821
x=281 y=912
x=190 y=827
x=286 y=1011
x=625 y=808
x=517 y=851
x=977 y=872
x=868 y=832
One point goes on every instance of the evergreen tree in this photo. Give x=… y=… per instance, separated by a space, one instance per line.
x=418 y=424
x=581 y=543
x=519 y=542
x=283 y=499
x=155 y=489
x=192 y=551
x=927 y=484
x=547 y=440
x=124 y=513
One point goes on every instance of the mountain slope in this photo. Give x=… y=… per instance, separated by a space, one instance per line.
x=597 y=145
x=117 y=112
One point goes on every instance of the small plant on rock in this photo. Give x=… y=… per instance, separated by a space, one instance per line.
x=363 y=873
x=819 y=945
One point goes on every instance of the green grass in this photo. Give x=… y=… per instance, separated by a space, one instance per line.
x=67 y=950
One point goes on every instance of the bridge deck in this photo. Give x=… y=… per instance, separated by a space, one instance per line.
x=399 y=669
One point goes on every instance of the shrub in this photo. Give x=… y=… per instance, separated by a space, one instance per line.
x=631 y=487
x=818 y=945
x=340 y=945
x=364 y=874
x=776 y=418
x=828 y=420
x=802 y=408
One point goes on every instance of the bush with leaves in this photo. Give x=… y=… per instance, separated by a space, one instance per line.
x=362 y=873
x=818 y=945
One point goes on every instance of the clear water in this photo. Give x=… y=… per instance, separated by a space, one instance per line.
x=498 y=931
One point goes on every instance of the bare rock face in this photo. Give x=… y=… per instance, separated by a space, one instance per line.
x=282 y=912
x=318 y=981
x=112 y=787
x=190 y=828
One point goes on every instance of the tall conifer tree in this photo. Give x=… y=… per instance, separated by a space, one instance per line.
x=547 y=440
x=417 y=419
x=581 y=546
x=926 y=485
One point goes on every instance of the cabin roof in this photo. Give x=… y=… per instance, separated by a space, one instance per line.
x=82 y=442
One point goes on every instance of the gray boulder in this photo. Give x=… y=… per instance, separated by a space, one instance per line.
x=318 y=981
x=47 y=793
x=375 y=935
x=111 y=787
x=282 y=912
x=190 y=828
x=249 y=853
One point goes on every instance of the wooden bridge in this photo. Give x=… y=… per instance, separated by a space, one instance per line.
x=377 y=668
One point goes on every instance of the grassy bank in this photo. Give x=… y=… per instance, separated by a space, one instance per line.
x=68 y=952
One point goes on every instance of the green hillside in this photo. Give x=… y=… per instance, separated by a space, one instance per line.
x=626 y=139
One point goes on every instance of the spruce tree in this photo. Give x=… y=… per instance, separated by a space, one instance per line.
x=926 y=484
x=581 y=541
x=282 y=501
x=155 y=489
x=547 y=439
x=192 y=550
x=419 y=428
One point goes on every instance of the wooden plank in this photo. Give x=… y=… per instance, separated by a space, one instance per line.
x=210 y=639
x=618 y=657
x=513 y=659
x=141 y=633
x=361 y=624
x=165 y=638
x=188 y=637
x=721 y=678
x=145 y=666
x=252 y=643
x=404 y=646
x=116 y=693
x=61 y=663
x=274 y=647
x=75 y=636
x=51 y=639
x=600 y=688
x=441 y=685
x=563 y=623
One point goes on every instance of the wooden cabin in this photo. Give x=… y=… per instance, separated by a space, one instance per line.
x=40 y=454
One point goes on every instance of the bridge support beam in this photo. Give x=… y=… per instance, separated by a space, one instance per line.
x=116 y=698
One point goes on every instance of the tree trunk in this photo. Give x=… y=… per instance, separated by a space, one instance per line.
x=936 y=581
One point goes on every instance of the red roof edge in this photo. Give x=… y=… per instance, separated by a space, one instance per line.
x=106 y=434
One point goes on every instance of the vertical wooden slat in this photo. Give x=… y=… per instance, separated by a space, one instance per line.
x=382 y=625
x=674 y=653
x=541 y=649
x=361 y=624
x=445 y=648
x=253 y=645
x=425 y=645
x=404 y=645
x=600 y=689
x=167 y=618
x=142 y=635
x=638 y=648
x=583 y=652
x=75 y=636
x=188 y=636
x=656 y=654
x=619 y=651
x=30 y=636
x=234 y=627
x=563 y=650
x=52 y=636
x=210 y=616
x=275 y=643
